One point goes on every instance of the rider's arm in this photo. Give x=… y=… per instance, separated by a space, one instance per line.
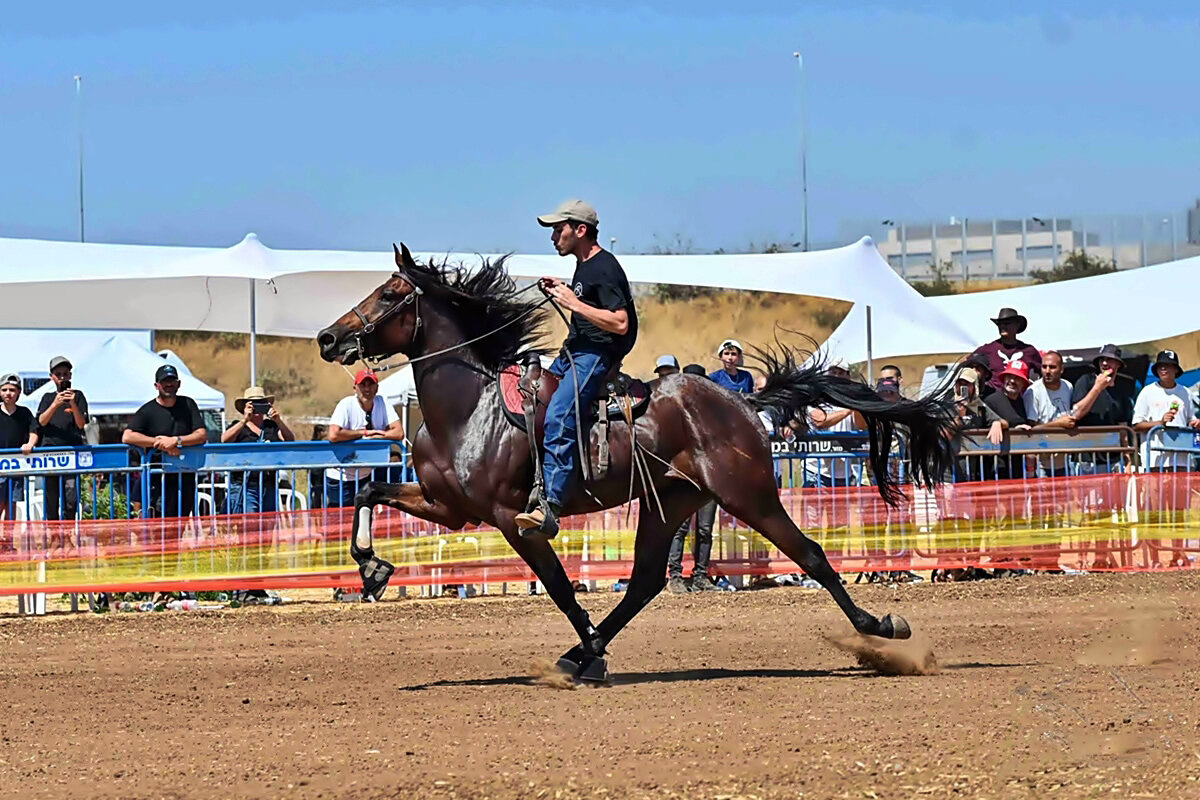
x=611 y=321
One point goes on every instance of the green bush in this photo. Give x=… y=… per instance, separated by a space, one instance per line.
x=100 y=499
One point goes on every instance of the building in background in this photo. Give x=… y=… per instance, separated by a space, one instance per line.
x=1193 y=224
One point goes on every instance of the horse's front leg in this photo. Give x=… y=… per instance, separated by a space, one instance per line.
x=406 y=497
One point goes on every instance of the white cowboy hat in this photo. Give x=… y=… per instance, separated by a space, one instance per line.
x=252 y=393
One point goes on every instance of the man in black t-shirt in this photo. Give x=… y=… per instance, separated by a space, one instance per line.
x=166 y=424
x=602 y=330
x=62 y=416
x=18 y=429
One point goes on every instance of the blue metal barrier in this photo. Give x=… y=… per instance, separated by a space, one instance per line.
x=116 y=481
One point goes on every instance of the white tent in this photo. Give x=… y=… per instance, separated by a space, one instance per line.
x=1126 y=307
x=118 y=377
x=249 y=287
x=399 y=388
x=28 y=352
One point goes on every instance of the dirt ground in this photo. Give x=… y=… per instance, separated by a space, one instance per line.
x=1049 y=686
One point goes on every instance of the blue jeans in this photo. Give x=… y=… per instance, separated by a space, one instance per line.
x=561 y=431
x=250 y=498
x=340 y=494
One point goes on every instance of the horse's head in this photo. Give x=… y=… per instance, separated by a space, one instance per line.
x=384 y=323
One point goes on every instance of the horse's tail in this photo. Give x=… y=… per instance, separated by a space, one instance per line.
x=792 y=387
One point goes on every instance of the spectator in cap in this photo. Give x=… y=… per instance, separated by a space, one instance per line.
x=362 y=415
x=665 y=365
x=18 y=430
x=254 y=492
x=1008 y=405
x=1165 y=403
x=730 y=376
x=61 y=416
x=704 y=519
x=167 y=424
x=1093 y=398
x=1008 y=348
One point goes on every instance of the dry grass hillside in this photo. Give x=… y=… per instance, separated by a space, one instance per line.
x=307 y=386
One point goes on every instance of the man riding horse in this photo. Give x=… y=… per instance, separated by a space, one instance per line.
x=602 y=331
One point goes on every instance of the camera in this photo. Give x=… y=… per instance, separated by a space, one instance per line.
x=260 y=406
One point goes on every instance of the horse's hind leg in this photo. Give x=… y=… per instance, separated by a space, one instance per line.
x=768 y=517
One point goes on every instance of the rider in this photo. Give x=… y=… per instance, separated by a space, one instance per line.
x=602 y=330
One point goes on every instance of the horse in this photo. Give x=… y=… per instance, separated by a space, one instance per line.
x=460 y=328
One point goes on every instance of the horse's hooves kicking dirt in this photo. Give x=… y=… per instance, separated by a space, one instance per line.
x=888 y=657
x=900 y=627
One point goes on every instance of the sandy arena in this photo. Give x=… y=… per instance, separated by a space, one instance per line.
x=1081 y=686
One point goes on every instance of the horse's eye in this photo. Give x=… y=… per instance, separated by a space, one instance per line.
x=389 y=295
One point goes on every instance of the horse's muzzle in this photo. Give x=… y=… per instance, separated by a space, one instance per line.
x=335 y=348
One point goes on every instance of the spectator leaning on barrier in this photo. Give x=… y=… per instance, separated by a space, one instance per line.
x=665 y=365
x=1048 y=403
x=1008 y=348
x=18 y=429
x=1095 y=403
x=1008 y=412
x=62 y=416
x=362 y=415
x=252 y=492
x=730 y=376
x=1166 y=403
x=166 y=424
x=705 y=517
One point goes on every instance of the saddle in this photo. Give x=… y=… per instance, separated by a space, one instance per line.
x=526 y=391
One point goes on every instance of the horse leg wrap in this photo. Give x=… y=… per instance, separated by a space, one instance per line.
x=374 y=571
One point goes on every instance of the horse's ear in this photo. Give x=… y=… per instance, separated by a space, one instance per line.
x=404 y=259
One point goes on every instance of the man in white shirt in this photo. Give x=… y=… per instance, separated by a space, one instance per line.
x=362 y=415
x=1166 y=403
x=1048 y=404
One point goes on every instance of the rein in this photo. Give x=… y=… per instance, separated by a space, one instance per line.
x=368 y=327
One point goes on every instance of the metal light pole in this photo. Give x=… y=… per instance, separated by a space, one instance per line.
x=966 y=273
x=79 y=125
x=803 y=142
x=1024 y=248
x=612 y=244
x=1054 y=241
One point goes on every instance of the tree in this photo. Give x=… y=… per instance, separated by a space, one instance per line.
x=1077 y=264
x=941 y=283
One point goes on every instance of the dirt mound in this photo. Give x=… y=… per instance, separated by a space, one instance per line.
x=888 y=656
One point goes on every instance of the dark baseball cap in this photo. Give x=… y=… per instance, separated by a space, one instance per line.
x=165 y=372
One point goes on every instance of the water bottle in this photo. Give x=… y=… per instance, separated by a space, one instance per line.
x=724 y=585
x=145 y=605
x=183 y=605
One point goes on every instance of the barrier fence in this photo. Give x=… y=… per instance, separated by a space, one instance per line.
x=1041 y=501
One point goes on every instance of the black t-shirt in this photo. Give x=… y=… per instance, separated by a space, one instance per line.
x=1110 y=408
x=1011 y=411
x=180 y=419
x=62 y=429
x=16 y=427
x=600 y=282
x=270 y=433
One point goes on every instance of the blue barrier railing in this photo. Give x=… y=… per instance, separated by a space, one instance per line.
x=116 y=481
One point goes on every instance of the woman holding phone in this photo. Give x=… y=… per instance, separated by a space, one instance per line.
x=252 y=492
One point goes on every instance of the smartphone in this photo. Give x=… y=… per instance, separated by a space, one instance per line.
x=65 y=385
x=962 y=392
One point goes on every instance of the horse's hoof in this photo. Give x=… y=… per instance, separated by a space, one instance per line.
x=899 y=626
x=375 y=574
x=571 y=661
x=594 y=669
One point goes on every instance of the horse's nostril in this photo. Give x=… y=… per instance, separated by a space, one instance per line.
x=326 y=339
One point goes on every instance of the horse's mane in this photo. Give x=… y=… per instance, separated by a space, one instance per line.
x=486 y=300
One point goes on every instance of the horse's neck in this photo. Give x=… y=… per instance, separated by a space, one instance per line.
x=448 y=385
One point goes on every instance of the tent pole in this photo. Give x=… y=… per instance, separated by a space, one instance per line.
x=870 y=370
x=253 y=336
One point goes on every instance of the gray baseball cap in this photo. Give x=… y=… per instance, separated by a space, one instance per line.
x=573 y=210
x=13 y=378
x=666 y=361
x=59 y=361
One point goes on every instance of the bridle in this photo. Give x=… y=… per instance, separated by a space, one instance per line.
x=368 y=326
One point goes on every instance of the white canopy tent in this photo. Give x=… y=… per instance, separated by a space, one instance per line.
x=28 y=352
x=1082 y=313
x=118 y=377
x=252 y=288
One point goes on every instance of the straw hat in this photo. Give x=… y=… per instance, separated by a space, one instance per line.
x=252 y=393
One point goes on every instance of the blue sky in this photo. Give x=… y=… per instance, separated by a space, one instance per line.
x=450 y=128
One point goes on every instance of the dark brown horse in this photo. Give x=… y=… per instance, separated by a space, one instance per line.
x=461 y=328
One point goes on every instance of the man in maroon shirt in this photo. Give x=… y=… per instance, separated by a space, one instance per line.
x=1009 y=349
